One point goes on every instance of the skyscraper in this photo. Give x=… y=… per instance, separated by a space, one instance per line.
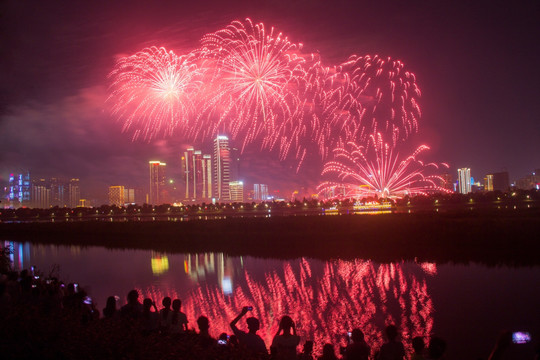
x=157 y=193
x=197 y=174
x=488 y=183
x=19 y=190
x=117 y=195
x=464 y=180
x=236 y=189
x=260 y=192
x=74 y=193
x=207 y=177
x=41 y=194
x=222 y=162
x=501 y=181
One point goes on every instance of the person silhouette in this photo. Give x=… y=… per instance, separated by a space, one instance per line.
x=285 y=343
x=250 y=340
x=357 y=348
x=133 y=308
x=307 y=351
x=110 y=311
x=205 y=339
x=178 y=322
x=419 y=348
x=393 y=349
x=328 y=352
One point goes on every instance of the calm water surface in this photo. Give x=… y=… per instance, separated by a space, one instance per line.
x=467 y=305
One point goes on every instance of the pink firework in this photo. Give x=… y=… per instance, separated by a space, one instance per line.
x=152 y=92
x=369 y=94
x=378 y=170
x=253 y=92
x=347 y=295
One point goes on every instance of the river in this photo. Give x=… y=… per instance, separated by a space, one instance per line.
x=467 y=305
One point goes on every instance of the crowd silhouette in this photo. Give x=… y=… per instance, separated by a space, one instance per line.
x=26 y=297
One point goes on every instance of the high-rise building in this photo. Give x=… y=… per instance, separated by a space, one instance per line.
x=501 y=181
x=41 y=194
x=222 y=162
x=19 y=190
x=234 y=164
x=236 y=189
x=59 y=192
x=531 y=181
x=260 y=192
x=488 y=182
x=464 y=180
x=117 y=195
x=74 y=193
x=129 y=197
x=447 y=182
x=158 y=191
x=207 y=177
x=197 y=174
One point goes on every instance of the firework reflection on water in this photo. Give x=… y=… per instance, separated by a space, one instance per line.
x=325 y=306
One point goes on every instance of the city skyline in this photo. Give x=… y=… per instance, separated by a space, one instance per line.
x=59 y=127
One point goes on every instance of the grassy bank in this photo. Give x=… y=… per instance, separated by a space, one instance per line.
x=489 y=237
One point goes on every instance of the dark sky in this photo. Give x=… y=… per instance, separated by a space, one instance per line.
x=476 y=62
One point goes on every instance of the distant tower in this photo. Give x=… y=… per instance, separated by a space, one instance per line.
x=189 y=173
x=260 y=192
x=207 y=177
x=197 y=173
x=464 y=180
x=237 y=191
x=488 y=183
x=117 y=195
x=157 y=183
x=222 y=163
x=501 y=181
x=41 y=194
x=19 y=190
x=74 y=193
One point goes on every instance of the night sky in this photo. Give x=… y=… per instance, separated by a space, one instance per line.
x=476 y=62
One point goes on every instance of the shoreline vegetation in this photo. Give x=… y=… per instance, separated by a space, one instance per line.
x=491 y=237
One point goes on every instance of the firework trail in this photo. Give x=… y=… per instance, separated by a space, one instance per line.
x=152 y=92
x=255 y=85
x=357 y=294
x=258 y=87
x=369 y=94
x=378 y=170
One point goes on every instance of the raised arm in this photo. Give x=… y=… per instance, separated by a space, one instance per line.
x=236 y=319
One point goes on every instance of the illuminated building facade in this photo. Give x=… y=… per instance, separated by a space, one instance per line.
x=84 y=203
x=129 y=196
x=74 y=193
x=531 y=181
x=236 y=189
x=59 y=192
x=19 y=190
x=41 y=194
x=207 y=177
x=501 y=181
x=488 y=182
x=158 y=191
x=197 y=175
x=464 y=180
x=117 y=195
x=260 y=192
x=222 y=163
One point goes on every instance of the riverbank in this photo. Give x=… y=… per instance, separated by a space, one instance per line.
x=489 y=237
